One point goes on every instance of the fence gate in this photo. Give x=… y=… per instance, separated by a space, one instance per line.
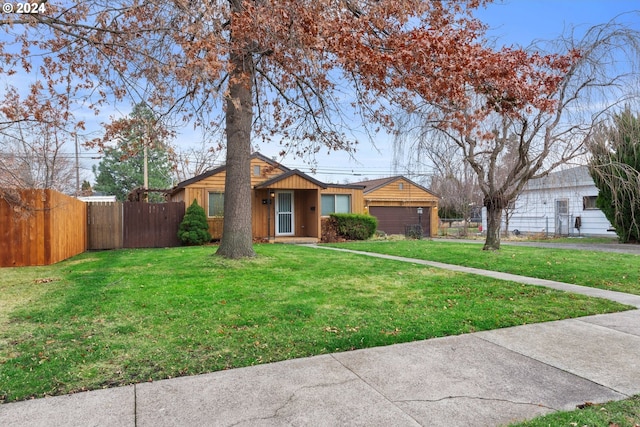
x=104 y=225
x=151 y=225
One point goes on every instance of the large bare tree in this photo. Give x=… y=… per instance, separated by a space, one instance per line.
x=517 y=140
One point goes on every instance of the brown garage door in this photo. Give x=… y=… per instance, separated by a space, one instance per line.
x=393 y=219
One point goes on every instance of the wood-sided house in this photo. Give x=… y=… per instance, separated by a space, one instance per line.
x=285 y=203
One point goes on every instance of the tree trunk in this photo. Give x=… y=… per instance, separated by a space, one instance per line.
x=494 y=218
x=237 y=237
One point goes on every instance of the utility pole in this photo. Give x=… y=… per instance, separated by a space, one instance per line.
x=147 y=142
x=77 y=169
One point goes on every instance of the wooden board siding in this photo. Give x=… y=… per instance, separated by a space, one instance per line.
x=306 y=213
x=262 y=214
x=408 y=192
x=49 y=228
x=294 y=182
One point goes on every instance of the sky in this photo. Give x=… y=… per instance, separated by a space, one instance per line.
x=511 y=22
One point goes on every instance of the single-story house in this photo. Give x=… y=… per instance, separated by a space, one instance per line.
x=562 y=204
x=287 y=203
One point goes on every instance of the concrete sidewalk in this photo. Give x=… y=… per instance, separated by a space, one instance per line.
x=481 y=379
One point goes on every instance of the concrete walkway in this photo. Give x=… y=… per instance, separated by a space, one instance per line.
x=482 y=379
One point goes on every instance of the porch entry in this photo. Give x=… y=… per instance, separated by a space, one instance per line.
x=284 y=213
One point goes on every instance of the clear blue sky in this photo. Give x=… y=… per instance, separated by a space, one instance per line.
x=522 y=21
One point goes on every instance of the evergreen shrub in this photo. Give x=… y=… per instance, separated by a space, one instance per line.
x=194 y=229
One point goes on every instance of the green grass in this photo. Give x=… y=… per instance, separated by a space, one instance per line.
x=624 y=413
x=110 y=318
x=612 y=271
x=576 y=240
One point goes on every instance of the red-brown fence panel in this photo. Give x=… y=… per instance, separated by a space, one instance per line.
x=151 y=225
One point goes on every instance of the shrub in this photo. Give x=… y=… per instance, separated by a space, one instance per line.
x=355 y=226
x=194 y=229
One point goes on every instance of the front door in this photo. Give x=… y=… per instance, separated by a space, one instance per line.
x=284 y=213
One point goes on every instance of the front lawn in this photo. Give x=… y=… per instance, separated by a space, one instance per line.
x=103 y=319
x=611 y=271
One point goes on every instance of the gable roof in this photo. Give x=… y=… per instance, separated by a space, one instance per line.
x=578 y=176
x=219 y=169
x=288 y=174
x=375 y=184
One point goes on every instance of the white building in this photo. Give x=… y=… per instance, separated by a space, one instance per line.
x=560 y=204
x=103 y=199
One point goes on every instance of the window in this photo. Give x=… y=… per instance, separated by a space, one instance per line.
x=589 y=202
x=216 y=204
x=256 y=170
x=562 y=207
x=401 y=186
x=335 y=203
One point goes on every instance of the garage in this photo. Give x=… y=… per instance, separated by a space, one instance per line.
x=394 y=219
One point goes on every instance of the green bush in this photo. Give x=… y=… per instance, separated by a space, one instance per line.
x=194 y=229
x=355 y=226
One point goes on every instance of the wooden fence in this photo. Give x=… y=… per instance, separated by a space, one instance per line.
x=133 y=225
x=41 y=227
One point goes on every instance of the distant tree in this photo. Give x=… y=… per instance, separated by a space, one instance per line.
x=120 y=172
x=86 y=189
x=198 y=159
x=194 y=229
x=615 y=168
x=140 y=140
x=32 y=155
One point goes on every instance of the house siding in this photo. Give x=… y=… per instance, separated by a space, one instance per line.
x=535 y=209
